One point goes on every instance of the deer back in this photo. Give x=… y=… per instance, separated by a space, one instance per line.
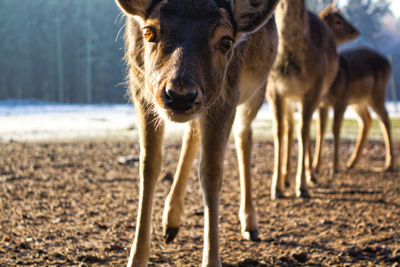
x=367 y=73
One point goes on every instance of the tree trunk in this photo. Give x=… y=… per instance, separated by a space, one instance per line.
x=89 y=85
x=60 y=63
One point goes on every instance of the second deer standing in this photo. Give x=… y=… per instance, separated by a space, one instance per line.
x=305 y=68
x=361 y=83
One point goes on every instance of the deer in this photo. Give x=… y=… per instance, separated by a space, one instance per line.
x=305 y=67
x=343 y=31
x=361 y=83
x=194 y=62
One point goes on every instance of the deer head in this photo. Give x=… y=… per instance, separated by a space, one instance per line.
x=342 y=30
x=188 y=46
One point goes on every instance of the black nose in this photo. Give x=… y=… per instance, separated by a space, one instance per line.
x=353 y=31
x=179 y=102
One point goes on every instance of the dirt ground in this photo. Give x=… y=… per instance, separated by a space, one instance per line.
x=70 y=204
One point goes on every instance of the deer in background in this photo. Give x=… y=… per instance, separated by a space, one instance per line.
x=361 y=83
x=195 y=62
x=343 y=32
x=304 y=69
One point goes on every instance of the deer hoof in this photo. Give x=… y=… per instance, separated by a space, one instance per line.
x=313 y=182
x=170 y=233
x=279 y=194
x=389 y=169
x=305 y=194
x=251 y=236
x=350 y=164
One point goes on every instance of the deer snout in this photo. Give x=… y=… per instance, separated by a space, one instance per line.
x=355 y=32
x=179 y=101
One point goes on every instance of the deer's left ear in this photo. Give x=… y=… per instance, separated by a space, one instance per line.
x=134 y=7
x=250 y=15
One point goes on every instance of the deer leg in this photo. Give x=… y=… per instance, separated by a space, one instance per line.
x=214 y=133
x=245 y=114
x=364 y=122
x=337 y=121
x=304 y=168
x=288 y=132
x=151 y=134
x=384 y=122
x=173 y=208
x=311 y=175
x=322 y=120
x=277 y=104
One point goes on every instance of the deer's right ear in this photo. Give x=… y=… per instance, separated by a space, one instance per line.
x=134 y=7
x=250 y=15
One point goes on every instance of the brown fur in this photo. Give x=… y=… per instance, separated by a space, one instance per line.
x=185 y=74
x=361 y=83
x=305 y=67
x=342 y=30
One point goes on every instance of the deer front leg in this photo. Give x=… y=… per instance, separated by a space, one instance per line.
x=245 y=114
x=151 y=133
x=215 y=129
x=277 y=104
x=322 y=120
x=337 y=121
x=173 y=208
x=304 y=169
x=288 y=133
x=364 y=122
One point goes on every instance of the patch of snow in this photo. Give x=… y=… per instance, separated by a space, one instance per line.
x=38 y=121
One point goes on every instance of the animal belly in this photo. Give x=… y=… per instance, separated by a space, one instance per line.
x=360 y=89
x=289 y=87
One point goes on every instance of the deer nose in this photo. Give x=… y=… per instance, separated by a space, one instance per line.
x=354 y=31
x=179 y=102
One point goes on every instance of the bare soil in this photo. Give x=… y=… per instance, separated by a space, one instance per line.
x=72 y=203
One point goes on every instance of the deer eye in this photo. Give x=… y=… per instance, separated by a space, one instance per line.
x=149 y=34
x=226 y=44
x=338 y=22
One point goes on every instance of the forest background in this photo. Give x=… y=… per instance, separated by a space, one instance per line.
x=71 y=51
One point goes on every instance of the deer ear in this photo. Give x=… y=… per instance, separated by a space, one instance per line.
x=134 y=7
x=250 y=15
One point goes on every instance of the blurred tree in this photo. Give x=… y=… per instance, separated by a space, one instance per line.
x=367 y=16
x=63 y=51
x=67 y=51
x=317 y=5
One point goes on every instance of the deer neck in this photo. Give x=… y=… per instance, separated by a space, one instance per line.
x=292 y=25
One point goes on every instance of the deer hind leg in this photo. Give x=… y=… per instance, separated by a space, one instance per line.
x=288 y=143
x=278 y=105
x=245 y=114
x=173 y=208
x=364 y=122
x=322 y=120
x=384 y=122
x=151 y=134
x=337 y=121
x=214 y=132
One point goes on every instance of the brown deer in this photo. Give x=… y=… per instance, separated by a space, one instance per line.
x=343 y=31
x=361 y=83
x=305 y=67
x=193 y=61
